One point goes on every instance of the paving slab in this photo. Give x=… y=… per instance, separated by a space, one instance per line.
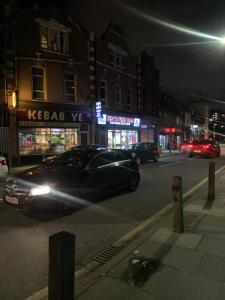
x=162 y=235
x=191 y=287
x=182 y=259
x=160 y=281
x=212 y=266
x=188 y=240
x=212 y=245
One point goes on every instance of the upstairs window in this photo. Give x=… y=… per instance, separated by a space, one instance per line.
x=54 y=40
x=112 y=59
x=103 y=92
x=117 y=60
x=129 y=99
x=122 y=63
x=69 y=88
x=38 y=83
x=118 y=97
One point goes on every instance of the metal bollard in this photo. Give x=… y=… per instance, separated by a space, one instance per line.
x=177 y=191
x=211 y=181
x=61 y=266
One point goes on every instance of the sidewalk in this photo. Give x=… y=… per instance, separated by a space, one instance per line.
x=192 y=264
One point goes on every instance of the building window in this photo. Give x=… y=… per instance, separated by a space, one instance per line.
x=69 y=88
x=117 y=60
x=129 y=99
x=118 y=97
x=38 y=83
x=103 y=92
x=54 y=40
x=112 y=59
x=123 y=63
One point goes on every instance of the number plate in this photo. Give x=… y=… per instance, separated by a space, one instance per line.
x=12 y=200
x=197 y=151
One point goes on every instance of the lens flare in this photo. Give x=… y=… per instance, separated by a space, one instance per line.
x=170 y=24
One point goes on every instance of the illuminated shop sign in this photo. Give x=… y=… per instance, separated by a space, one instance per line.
x=102 y=120
x=39 y=115
x=116 y=120
x=98 y=109
x=172 y=130
x=126 y=121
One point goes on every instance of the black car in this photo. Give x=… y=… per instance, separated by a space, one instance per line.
x=67 y=178
x=143 y=151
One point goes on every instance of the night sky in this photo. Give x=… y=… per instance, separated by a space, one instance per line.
x=188 y=69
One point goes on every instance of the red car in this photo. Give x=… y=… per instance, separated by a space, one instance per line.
x=186 y=146
x=204 y=148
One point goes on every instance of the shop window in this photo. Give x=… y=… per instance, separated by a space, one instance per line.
x=129 y=99
x=118 y=139
x=103 y=92
x=118 y=97
x=46 y=140
x=38 y=83
x=54 y=40
x=69 y=88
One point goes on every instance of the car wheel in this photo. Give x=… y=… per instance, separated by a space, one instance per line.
x=133 y=184
x=190 y=155
x=138 y=160
x=156 y=158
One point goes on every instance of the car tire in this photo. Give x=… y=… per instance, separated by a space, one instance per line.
x=138 y=160
x=133 y=184
x=190 y=155
x=156 y=158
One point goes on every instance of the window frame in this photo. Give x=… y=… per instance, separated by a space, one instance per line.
x=75 y=92
x=104 y=101
x=129 y=94
x=58 y=40
x=43 y=91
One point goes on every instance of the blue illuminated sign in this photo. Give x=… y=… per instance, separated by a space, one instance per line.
x=102 y=120
x=98 y=109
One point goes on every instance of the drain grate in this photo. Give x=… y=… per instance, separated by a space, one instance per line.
x=107 y=254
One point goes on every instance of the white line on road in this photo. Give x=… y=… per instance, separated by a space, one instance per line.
x=179 y=162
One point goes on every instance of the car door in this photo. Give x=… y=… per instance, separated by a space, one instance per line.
x=100 y=174
x=121 y=164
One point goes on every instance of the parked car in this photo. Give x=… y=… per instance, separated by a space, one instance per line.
x=72 y=175
x=143 y=151
x=205 y=148
x=3 y=166
x=91 y=146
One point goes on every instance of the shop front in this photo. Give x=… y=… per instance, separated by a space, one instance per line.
x=118 y=131
x=46 y=129
x=170 y=138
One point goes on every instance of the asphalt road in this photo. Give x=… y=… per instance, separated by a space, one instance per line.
x=24 y=237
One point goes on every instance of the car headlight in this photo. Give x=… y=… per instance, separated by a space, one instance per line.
x=40 y=190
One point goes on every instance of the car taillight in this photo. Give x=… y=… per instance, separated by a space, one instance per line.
x=205 y=147
x=3 y=162
x=190 y=146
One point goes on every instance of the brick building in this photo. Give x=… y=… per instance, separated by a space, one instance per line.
x=61 y=71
